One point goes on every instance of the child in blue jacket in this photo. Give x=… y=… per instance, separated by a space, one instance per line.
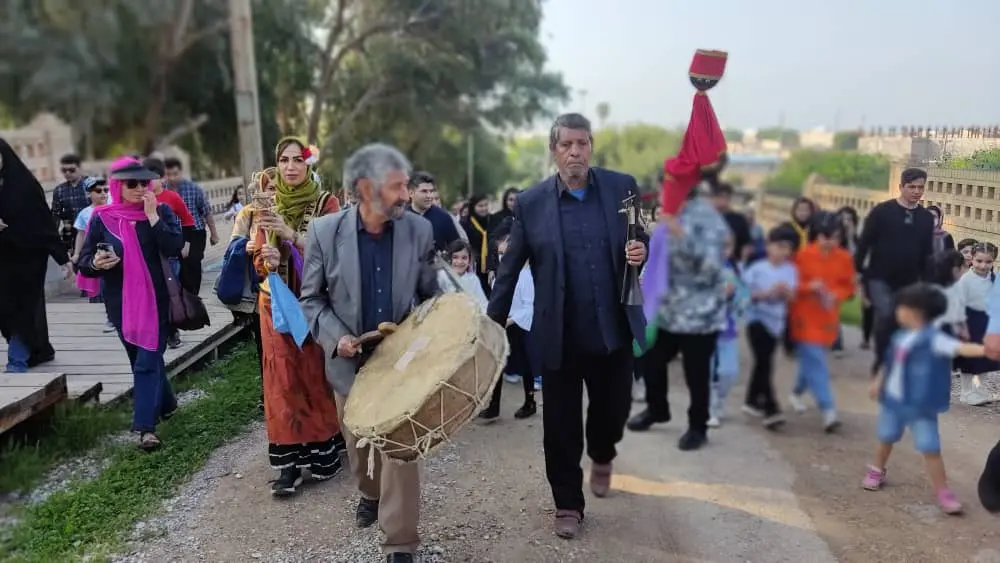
x=914 y=387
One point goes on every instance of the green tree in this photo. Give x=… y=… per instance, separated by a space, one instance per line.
x=846 y=140
x=988 y=159
x=637 y=149
x=789 y=138
x=733 y=135
x=423 y=74
x=844 y=168
x=603 y=111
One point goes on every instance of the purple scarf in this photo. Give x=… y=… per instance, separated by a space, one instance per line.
x=657 y=274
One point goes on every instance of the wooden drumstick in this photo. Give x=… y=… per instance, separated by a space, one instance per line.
x=376 y=336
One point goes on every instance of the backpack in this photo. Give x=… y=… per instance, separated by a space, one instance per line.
x=235 y=276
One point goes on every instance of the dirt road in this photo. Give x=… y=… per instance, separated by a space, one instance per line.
x=750 y=496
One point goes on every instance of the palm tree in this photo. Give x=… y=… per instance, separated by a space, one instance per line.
x=603 y=111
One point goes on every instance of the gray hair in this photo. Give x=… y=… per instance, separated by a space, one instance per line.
x=573 y=121
x=373 y=161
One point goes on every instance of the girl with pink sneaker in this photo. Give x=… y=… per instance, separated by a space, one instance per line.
x=915 y=387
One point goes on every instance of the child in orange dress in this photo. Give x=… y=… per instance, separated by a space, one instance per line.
x=826 y=279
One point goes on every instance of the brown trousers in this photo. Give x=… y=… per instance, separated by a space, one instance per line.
x=396 y=487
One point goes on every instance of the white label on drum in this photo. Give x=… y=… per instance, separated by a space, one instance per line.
x=415 y=348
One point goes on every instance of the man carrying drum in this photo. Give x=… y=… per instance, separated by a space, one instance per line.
x=572 y=229
x=351 y=284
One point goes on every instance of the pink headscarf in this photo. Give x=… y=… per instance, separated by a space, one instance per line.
x=140 y=320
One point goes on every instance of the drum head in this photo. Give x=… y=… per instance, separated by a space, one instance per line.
x=411 y=367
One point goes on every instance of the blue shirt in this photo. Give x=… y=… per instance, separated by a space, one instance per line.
x=375 y=253
x=195 y=200
x=595 y=319
x=762 y=276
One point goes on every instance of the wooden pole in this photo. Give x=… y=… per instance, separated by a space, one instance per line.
x=245 y=86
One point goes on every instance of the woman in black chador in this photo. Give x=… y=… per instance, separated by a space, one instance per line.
x=27 y=238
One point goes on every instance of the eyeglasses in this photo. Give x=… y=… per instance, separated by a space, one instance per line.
x=69 y=170
x=133 y=184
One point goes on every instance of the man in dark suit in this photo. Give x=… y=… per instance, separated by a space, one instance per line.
x=571 y=230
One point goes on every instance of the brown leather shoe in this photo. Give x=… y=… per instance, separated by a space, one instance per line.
x=600 y=479
x=567 y=523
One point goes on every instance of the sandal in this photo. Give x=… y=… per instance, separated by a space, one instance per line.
x=149 y=442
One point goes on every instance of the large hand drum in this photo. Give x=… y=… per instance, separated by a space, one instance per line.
x=428 y=379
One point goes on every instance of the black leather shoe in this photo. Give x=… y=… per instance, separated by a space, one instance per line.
x=644 y=420
x=287 y=482
x=399 y=558
x=692 y=440
x=367 y=513
x=529 y=408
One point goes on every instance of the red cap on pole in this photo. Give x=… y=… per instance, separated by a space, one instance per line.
x=704 y=147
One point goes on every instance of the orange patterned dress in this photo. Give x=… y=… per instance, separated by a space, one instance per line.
x=299 y=410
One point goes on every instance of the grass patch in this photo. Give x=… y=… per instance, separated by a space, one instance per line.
x=95 y=517
x=850 y=312
x=73 y=430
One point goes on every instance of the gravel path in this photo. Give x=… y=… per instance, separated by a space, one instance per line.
x=750 y=496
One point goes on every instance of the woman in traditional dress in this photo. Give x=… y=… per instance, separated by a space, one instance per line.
x=299 y=410
x=125 y=245
x=477 y=227
x=27 y=238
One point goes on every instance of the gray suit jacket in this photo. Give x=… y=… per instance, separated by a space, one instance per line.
x=331 y=282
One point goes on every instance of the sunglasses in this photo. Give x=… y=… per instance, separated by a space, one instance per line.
x=69 y=170
x=99 y=190
x=908 y=220
x=133 y=184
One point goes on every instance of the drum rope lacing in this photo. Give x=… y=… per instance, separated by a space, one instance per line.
x=432 y=438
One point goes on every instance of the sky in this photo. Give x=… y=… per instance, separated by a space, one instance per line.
x=809 y=63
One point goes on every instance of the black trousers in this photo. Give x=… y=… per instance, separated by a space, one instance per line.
x=698 y=351
x=190 y=277
x=520 y=362
x=763 y=345
x=608 y=378
x=867 y=322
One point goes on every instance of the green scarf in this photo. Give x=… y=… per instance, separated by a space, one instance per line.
x=292 y=202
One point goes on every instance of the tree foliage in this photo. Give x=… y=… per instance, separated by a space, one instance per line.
x=733 y=135
x=980 y=160
x=426 y=75
x=846 y=140
x=638 y=149
x=789 y=138
x=845 y=168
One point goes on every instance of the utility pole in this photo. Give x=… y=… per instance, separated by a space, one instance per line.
x=245 y=87
x=470 y=163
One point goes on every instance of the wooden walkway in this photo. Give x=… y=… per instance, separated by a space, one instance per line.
x=91 y=363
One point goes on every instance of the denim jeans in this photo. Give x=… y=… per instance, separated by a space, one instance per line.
x=152 y=395
x=17 y=355
x=814 y=374
x=926 y=437
x=725 y=371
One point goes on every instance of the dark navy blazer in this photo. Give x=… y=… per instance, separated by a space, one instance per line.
x=536 y=238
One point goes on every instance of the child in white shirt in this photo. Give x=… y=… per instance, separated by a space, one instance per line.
x=524 y=356
x=459 y=256
x=972 y=291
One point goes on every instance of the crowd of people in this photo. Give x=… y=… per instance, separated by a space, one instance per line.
x=549 y=266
